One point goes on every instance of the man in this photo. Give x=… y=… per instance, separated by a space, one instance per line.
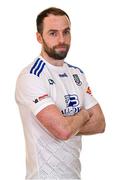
x=55 y=103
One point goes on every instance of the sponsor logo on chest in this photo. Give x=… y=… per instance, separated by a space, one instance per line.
x=72 y=104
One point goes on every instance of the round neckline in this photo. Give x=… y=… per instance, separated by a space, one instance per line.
x=53 y=67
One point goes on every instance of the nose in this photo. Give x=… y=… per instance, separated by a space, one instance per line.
x=61 y=38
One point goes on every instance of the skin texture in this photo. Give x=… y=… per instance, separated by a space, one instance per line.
x=60 y=126
x=55 y=41
x=96 y=123
x=56 y=32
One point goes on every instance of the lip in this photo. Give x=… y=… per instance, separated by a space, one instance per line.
x=61 y=48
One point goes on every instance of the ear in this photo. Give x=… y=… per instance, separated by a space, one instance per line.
x=39 y=37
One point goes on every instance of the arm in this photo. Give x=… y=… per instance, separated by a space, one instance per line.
x=96 y=124
x=62 y=127
x=32 y=92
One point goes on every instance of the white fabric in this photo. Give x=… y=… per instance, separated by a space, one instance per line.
x=39 y=85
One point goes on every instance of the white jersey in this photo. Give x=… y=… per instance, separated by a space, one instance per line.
x=39 y=85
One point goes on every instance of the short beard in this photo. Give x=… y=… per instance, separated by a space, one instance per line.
x=55 y=54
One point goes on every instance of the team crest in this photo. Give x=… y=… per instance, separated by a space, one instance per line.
x=77 y=79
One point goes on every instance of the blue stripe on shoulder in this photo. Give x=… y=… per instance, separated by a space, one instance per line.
x=34 y=65
x=38 y=67
x=41 y=69
x=71 y=66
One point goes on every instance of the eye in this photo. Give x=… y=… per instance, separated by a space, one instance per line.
x=67 y=32
x=53 y=33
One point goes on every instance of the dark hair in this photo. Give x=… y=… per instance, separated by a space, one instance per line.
x=46 y=13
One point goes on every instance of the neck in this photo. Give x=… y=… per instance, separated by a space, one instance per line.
x=52 y=61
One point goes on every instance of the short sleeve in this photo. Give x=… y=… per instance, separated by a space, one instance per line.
x=32 y=92
x=89 y=100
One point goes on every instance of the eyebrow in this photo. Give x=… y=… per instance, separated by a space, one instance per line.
x=55 y=30
x=67 y=29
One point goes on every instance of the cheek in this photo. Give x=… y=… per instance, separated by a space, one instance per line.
x=51 y=41
x=68 y=40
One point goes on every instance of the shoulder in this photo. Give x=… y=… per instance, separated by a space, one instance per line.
x=77 y=73
x=32 y=73
x=35 y=68
x=74 y=68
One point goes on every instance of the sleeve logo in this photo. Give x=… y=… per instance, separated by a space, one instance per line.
x=88 y=90
x=40 y=98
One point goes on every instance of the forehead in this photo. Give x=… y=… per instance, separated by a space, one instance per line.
x=56 y=22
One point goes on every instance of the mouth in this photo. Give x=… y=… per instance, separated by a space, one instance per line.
x=61 y=47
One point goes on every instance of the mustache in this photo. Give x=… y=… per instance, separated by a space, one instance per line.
x=61 y=46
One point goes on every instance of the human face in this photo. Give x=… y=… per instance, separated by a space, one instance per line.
x=56 y=36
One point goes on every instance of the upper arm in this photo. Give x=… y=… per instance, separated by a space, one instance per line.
x=95 y=110
x=97 y=116
x=53 y=120
x=97 y=121
x=33 y=93
x=88 y=99
x=91 y=104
